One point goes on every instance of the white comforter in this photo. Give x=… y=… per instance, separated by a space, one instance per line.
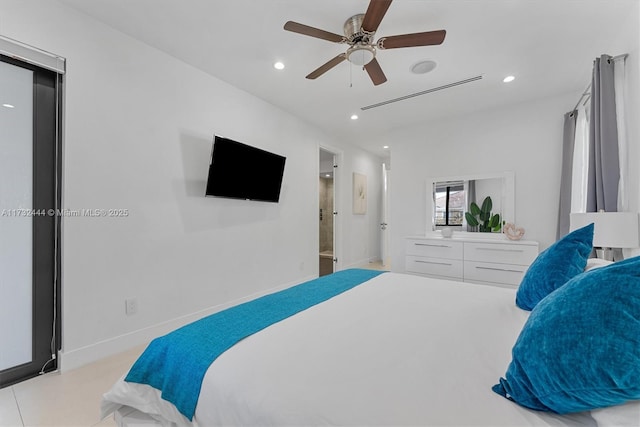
x=397 y=350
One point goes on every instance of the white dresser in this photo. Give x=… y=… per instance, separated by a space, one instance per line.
x=470 y=259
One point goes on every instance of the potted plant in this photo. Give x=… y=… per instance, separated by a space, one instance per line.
x=481 y=219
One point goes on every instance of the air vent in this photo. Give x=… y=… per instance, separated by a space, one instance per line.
x=424 y=92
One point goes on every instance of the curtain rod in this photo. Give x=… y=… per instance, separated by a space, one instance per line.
x=587 y=92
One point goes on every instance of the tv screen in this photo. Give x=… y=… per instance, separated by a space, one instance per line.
x=239 y=171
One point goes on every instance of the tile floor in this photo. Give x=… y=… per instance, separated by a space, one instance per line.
x=376 y=265
x=71 y=399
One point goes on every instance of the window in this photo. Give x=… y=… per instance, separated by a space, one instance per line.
x=450 y=204
x=31 y=171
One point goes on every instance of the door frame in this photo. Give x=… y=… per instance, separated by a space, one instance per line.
x=385 y=238
x=47 y=198
x=337 y=198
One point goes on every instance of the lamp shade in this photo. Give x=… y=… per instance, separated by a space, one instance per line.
x=611 y=229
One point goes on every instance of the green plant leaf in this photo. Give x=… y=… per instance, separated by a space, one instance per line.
x=495 y=221
x=487 y=205
x=474 y=208
x=471 y=220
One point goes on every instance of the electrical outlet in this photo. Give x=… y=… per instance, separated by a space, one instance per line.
x=131 y=306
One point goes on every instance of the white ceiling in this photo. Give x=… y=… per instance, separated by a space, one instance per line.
x=549 y=45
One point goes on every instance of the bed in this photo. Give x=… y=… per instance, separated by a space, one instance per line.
x=396 y=349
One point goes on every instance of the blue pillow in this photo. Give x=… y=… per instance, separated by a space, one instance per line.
x=557 y=264
x=580 y=347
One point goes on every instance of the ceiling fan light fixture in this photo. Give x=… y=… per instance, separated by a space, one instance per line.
x=359 y=31
x=361 y=54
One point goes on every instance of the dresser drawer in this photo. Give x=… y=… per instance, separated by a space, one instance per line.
x=434 y=248
x=500 y=253
x=508 y=274
x=451 y=268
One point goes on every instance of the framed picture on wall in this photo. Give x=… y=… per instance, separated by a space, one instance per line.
x=359 y=194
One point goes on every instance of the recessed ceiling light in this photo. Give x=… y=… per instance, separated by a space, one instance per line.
x=328 y=175
x=508 y=79
x=385 y=147
x=278 y=66
x=354 y=117
x=423 y=67
x=8 y=106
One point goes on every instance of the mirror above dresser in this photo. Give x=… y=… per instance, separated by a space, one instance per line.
x=449 y=198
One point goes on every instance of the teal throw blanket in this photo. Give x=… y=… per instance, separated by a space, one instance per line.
x=176 y=363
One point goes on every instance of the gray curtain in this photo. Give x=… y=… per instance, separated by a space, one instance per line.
x=604 y=166
x=471 y=196
x=568 y=142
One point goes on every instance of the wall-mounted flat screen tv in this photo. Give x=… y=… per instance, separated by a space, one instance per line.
x=240 y=171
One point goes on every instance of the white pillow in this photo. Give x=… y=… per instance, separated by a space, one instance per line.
x=596 y=263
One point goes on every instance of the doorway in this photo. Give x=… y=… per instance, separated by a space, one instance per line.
x=385 y=219
x=327 y=213
x=30 y=183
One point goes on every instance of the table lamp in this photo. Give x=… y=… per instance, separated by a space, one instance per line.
x=611 y=230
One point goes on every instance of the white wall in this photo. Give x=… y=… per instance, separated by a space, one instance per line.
x=138 y=135
x=361 y=233
x=526 y=139
x=629 y=42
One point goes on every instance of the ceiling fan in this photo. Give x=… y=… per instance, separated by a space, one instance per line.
x=358 y=34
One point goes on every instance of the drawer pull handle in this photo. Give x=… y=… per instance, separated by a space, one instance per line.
x=500 y=250
x=432 y=245
x=499 y=269
x=433 y=262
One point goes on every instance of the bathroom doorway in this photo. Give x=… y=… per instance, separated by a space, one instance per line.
x=327 y=212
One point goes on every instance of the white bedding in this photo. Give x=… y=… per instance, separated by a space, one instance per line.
x=397 y=350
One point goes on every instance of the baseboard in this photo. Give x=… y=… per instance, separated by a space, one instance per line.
x=76 y=358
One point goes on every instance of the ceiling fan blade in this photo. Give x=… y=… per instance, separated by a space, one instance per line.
x=327 y=66
x=375 y=72
x=427 y=38
x=374 y=14
x=312 y=32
